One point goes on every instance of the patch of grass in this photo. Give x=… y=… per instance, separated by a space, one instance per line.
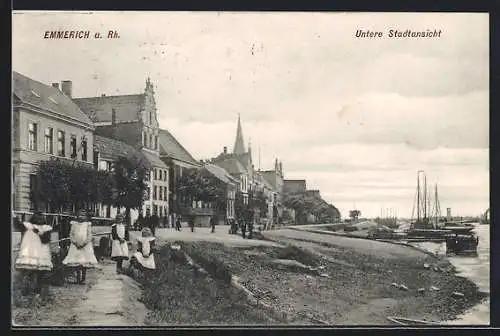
x=178 y=295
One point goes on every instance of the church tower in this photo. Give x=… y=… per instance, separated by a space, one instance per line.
x=239 y=146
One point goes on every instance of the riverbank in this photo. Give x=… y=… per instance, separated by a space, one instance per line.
x=312 y=283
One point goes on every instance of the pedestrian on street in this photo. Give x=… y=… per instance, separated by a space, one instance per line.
x=154 y=222
x=81 y=251
x=120 y=236
x=178 y=222
x=243 y=228
x=213 y=222
x=191 y=223
x=34 y=256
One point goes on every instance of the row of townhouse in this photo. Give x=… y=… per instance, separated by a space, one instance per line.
x=49 y=122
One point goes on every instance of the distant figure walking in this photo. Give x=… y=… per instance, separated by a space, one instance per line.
x=191 y=223
x=81 y=252
x=34 y=256
x=178 y=222
x=213 y=222
x=143 y=259
x=120 y=236
x=153 y=223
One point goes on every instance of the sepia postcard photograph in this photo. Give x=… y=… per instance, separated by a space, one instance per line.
x=208 y=169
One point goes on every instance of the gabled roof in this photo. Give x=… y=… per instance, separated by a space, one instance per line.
x=220 y=173
x=112 y=149
x=154 y=160
x=127 y=107
x=232 y=166
x=46 y=97
x=169 y=146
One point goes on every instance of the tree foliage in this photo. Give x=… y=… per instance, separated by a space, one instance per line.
x=198 y=185
x=130 y=174
x=62 y=184
x=304 y=205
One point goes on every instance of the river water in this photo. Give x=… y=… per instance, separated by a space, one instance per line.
x=477 y=269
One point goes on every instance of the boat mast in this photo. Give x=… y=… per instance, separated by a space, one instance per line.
x=425 y=199
x=418 y=198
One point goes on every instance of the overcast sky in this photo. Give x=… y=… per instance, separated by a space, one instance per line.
x=357 y=118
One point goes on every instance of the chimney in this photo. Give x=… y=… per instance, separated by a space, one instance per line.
x=225 y=149
x=113 y=116
x=67 y=88
x=55 y=85
x=103 y=95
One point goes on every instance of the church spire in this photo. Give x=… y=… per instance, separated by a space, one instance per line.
x=239 y=146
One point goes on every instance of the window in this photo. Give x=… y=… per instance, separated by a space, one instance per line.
x=161 y=193
x=161 y=211
x=143 y=138
x=72 y=146
x=150 y=140
x=150 y=117
x=154 y=192
x=60 y=143
x=48 y=144
x=84 y=149
x=103 y=165
x=32 y=130
x=165 y=194
x=165 y=175
x=155 y=173
x=160 y=171
x=156 y=142
x=155 y=209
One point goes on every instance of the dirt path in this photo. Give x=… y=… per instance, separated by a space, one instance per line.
x=108 y=299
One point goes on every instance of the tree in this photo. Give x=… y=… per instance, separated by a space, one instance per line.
x=64 y=184
x=304 y=204
x=198 y=185
x=260 y=203
x=354 y=214
x=130 y=175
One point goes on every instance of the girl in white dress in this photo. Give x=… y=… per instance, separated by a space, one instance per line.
x=120 y=236
x=144 y=258
x=34 y=256
x=81 y=251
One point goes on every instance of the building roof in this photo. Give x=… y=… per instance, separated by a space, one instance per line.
x=169 y=146
x=112 y=149
x=154 y=160
x=232 y=166
x=99 y=109
x=46 y=97
x=239 y=146
x=266 y=183
x=220 y=173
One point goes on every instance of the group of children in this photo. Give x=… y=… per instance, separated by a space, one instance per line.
x=35 y=257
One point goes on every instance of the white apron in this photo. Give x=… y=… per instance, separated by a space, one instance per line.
x=146 y=258
x=33 y=255
x=81 y=251
x=119 y=250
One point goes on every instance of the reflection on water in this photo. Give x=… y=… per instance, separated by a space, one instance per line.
x=477 y=269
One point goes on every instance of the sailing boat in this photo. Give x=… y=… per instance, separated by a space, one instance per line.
x=426 y=226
